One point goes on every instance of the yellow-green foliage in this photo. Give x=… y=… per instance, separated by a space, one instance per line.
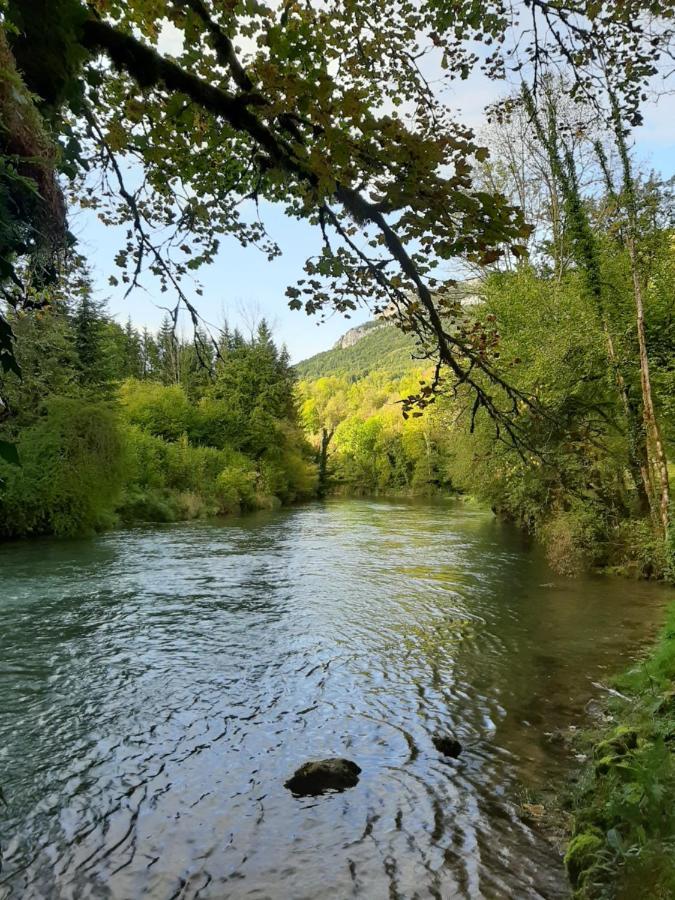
x=173 y=475
x=571 y=483
x=372 y=448
x=159 y=409
x=581 y=853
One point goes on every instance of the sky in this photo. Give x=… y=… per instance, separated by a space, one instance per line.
x=242 y=287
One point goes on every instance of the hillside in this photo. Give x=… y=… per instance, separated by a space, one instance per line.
x=374 y=346
x=378 y=345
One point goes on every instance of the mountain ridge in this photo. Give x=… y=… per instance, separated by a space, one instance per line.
x=376 y=345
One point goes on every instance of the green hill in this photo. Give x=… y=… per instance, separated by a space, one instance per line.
x=375 y=346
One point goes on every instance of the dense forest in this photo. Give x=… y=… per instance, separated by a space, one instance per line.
x=111 y=425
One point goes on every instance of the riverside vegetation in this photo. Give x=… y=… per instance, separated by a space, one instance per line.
x=111 y=425
x=550 y=398
x=623 y=821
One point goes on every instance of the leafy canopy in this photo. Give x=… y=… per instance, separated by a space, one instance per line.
x=326 y=109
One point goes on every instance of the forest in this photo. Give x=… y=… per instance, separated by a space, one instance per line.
x=111 y=425
x=515 y=371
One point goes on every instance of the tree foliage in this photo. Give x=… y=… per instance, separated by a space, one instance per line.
x=107 y=428
x=328 y=111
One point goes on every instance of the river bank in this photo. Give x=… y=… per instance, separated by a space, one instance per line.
x=623 y=818
x=572 y=544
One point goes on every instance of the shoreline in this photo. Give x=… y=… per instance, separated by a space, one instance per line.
x=617 y=811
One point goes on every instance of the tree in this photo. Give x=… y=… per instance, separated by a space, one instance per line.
x=132 y=366
x=312 y=118
x=149 y=355
x=168 y=352
x=647 y=456
x=89 y=327
x=641 y=271
x=323 y=406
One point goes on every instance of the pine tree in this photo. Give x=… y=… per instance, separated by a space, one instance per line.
x=89 y=324
x=149 y=356
x=133 y=356
x=168 y=349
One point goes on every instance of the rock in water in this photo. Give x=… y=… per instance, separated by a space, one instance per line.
x=317 y=776
x=447 y=745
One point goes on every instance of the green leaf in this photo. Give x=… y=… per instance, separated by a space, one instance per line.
x=9 y=453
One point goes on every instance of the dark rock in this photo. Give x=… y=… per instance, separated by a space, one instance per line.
x=317 y=776
x=447 y=745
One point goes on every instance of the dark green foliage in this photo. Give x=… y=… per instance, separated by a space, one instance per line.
x=71 y=472
x=45 y=45
x=89 y=327
x=48 y=359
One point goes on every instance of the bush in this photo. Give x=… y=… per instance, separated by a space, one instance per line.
x=574 y=539
x=236 y=485
x=148 y=505
x=71 y=474
x=640 y=551
x=160 y=410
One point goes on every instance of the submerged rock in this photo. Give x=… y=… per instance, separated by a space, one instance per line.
x=534 y=811
x=447 y=745
x=317 y=776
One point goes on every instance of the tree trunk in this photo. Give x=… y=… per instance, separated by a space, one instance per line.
x=326 y=437
x=656 y=453
x=638 y=462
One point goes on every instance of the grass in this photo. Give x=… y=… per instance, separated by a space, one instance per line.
x=623 y=809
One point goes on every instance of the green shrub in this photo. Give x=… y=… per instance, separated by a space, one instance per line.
x=148 y=505
x=71 y=474
x=161 y=410
x=639 y=550
x=574 y=539
x=236 y=485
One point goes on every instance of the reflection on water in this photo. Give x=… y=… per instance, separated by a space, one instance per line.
x=159 y=686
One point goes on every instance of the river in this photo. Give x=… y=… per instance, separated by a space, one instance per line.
x=158 y=685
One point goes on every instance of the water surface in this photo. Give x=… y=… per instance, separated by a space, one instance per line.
x=158 y=685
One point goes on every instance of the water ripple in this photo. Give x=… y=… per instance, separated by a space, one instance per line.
x=159 y=685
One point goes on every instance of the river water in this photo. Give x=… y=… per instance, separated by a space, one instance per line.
x=159 y=685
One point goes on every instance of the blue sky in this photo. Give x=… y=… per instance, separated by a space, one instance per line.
x=242 y=286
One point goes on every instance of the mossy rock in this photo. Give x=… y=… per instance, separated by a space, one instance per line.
x=581 y=854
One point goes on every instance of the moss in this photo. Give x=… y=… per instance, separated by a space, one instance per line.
x=581 y=854
x=45 y=43
x=605 y=763
x=31 y=201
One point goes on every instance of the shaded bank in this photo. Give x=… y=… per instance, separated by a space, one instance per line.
x=623 y=842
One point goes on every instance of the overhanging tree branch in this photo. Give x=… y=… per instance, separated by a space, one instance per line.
x=151 y=70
